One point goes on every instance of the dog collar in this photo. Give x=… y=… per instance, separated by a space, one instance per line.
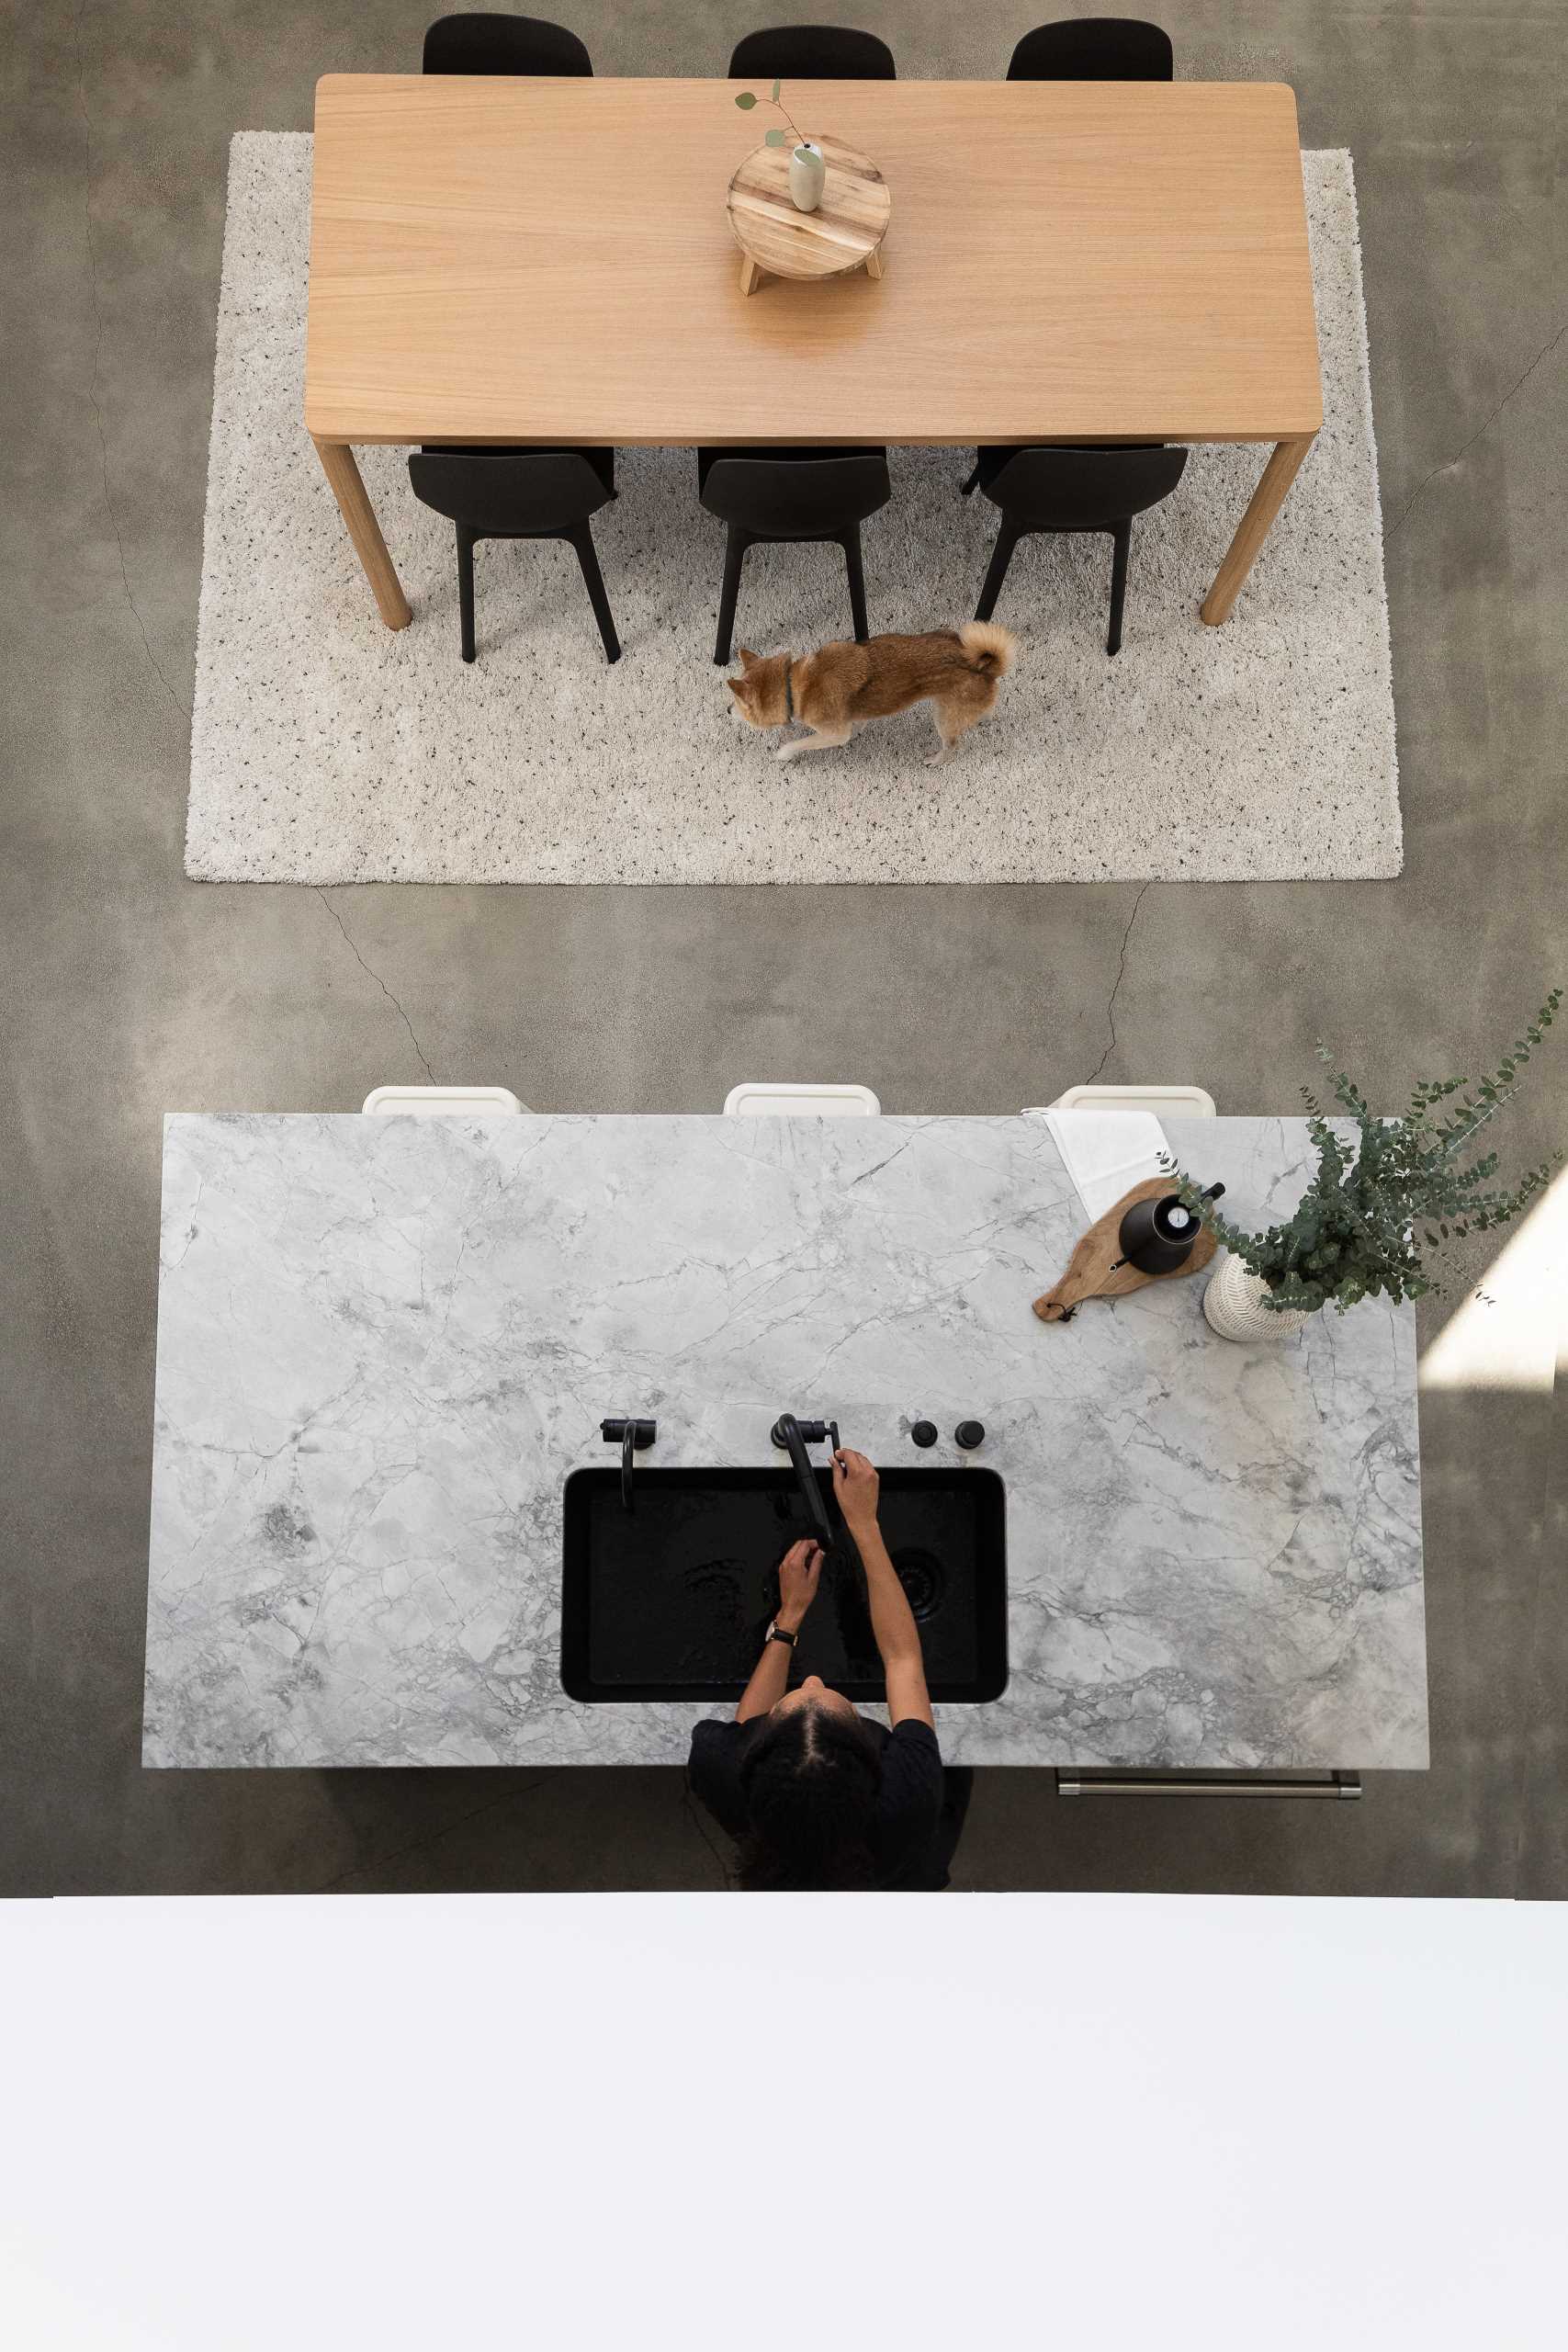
x=789 y=690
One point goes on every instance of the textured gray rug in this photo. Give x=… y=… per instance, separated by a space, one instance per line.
x=328 y=749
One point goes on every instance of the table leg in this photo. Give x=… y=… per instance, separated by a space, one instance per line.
x=750 y=276
x=338 y=465
x=873 y=264
x=1252 y=529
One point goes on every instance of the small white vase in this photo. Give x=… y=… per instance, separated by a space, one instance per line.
x=808 y=176
x=1233 y=1304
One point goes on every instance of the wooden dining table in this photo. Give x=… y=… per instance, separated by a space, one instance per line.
x=511 y=260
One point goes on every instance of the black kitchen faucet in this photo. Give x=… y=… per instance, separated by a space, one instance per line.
x=794 y=1436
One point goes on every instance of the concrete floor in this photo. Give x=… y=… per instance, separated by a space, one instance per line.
x=129 y=991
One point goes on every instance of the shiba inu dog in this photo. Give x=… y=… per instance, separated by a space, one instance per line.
x=835 y=689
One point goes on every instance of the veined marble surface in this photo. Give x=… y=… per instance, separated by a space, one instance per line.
x=383 y=1344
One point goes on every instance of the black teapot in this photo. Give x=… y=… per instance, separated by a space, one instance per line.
x=1157 y=1236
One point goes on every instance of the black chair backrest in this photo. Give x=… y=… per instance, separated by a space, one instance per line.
x=1094 y=49
x=812 y=53
x=1084 y=490
x=510 y=492
x=798 y=497
x=490 y=43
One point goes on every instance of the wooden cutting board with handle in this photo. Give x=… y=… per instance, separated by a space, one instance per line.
x=1092 y=1271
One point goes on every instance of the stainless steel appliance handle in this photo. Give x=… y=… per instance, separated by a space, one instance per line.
x=1204 y=1784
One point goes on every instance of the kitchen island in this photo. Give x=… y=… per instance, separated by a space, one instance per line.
x=384 y=1343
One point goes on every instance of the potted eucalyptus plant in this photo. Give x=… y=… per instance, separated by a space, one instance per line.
x=807 y=166
x=1378 y=1208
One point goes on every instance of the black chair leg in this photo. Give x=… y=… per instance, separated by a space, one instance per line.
x=964 y=488
x=466 y=590
x=582 y=540
x=857 y=584
x=734 y=549
x=1001 y=556
x=1121 y=537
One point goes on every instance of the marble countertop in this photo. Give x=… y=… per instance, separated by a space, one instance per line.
x=384 y=1343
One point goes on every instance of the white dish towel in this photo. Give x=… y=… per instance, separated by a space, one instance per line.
x=1107 y=1153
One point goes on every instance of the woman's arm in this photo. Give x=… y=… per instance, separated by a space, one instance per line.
x=855 y=1485
x=800 y=1572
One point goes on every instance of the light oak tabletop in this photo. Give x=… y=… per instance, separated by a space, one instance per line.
x=511 y=259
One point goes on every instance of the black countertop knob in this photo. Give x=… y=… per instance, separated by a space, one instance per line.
x=969 y=1434
x=923 y=1432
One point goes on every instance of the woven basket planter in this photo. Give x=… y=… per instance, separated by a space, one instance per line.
x=1233 y=1304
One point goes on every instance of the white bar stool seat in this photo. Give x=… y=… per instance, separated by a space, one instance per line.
x=1164 y=1101
x=444 y=1102
x=753 y=1100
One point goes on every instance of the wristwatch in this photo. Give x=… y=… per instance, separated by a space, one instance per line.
x=776 y=1632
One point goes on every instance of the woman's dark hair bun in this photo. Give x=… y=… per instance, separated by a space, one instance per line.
x=810 y=1780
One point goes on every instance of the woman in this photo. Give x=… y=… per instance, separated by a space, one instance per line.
x=816 y=1795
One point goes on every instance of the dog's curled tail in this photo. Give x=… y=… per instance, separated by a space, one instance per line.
x=991 y=650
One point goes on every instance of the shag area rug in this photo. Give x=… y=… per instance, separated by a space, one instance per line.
x=327 y=748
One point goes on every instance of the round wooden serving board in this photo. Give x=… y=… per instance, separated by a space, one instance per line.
x=1089 y=1269
x=842 y=234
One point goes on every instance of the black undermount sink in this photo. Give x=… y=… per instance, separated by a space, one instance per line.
x=671 y=1600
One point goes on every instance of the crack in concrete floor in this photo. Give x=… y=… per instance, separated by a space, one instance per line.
x=1116 y=984
x=1448 y=464
x=348 y=940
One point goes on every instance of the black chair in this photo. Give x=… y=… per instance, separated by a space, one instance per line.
x=789 y=495
x=1065 y=491
x=812 y=53
x=488 y=43
x=1094 y=49
x=520 y=494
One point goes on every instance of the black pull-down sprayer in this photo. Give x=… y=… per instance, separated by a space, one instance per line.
x=794 y=1436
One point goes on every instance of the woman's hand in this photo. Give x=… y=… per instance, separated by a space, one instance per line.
x=800 y=1573
x=855 y=1487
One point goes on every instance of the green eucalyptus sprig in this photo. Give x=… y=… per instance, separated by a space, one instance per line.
x=1372 y=1212
x=747 y=99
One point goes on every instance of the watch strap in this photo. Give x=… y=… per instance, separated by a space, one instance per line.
x=776 y=1632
